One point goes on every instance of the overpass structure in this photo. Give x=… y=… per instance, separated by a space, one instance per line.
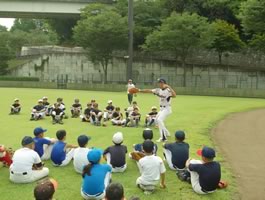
x=45 y=8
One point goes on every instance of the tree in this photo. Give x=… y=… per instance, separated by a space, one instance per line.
x=100 y=33
x=63 y=28
x=226 y=38
x=26 y=25
x=257 y=43
x=3 y=29
x=4 y=57
x=252 y=14
x=180 y=35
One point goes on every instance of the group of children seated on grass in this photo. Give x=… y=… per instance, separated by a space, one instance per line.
x=91 y=114
x=27 y=166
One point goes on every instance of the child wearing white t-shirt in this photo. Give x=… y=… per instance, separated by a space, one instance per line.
x=152 y=169
x=80 y=155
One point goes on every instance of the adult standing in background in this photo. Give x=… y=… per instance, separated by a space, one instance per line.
x=129 y=86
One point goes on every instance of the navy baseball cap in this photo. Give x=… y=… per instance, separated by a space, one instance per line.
x=94 y=155
x=38 y=131
x=206 y=152
x=161 y=80
x=83 y=139
x=27 y=140
x=180 y=135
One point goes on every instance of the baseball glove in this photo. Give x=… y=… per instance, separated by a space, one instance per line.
x=137 y=155
x=133 y=90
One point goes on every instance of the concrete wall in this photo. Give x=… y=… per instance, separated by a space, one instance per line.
x=76 y=68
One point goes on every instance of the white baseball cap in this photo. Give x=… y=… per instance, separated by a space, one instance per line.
x=154 y=107
x=16 y=99
x=117 y=138
x=109 y=101
x=44 y=97
x=40 y=100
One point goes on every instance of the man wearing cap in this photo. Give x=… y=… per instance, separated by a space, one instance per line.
x=164 y=92
x=43 y=146
x=116 y=154
x=80 y=155
x=38 y=111
x=129 y=86
x=108 y=112
x=27 y=166
x=15 y=107
x=205 y=174
x=96 y=176
x=177 y=153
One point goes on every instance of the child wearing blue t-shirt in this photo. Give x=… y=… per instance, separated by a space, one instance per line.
x=43 y=145
x=62 y=153
x=96 y=176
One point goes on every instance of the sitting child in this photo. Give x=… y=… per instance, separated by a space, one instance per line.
x=76 y=109
x=96 y=176
x=80 y=155
x=129 y=110
x=57 y=114
x=38 y=111
x=46 y=104
x=138 y=152
x=96 y=115
x=27 y=166
x=133 y=118
x=62 y=153
x=6 y=156
x=43 y=146
x=87 y=115
x=15 y=107
x=205 y=174
x=108 y=112
x=151 y=117
x=116 y=154
x=177 y=153
x=117 y=117
x=151 y=168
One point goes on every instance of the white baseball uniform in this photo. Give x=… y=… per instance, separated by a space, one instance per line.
x=165 y=110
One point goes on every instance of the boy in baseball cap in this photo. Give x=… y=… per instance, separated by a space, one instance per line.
x=116 y=154
x=38 y=111
x=205 y=174
x=43 y=145
x=151 y=117
x=15 y=107
x=177 y=153
x=27 y=166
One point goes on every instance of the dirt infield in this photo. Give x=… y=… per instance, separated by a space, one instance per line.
x=241 y=138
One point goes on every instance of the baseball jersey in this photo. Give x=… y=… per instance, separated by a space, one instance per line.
x=87 y=111
x=58 y=152
x=39 y=107
x=117 y=115
x=15 y=105
x=110 y=108
x=151 y=167
x=77 y=105
x=46 y=103
x=164 y=96
x=80 y=159
x=96 y=111
x=117 y=154
x=57 y=111
x=39 y=142
x=23 y=160
x=130 y=86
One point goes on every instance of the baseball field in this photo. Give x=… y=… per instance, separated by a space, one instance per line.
x=196 y=115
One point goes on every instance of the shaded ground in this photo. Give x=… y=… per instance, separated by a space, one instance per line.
x=241 y=138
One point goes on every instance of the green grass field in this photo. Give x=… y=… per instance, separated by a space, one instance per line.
x=194 y=114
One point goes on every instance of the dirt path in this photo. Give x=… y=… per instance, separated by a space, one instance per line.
x=241 y=138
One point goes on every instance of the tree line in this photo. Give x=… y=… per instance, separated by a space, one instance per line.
x=176 y=27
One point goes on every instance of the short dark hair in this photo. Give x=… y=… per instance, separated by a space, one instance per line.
x=114 y=191
x=147 y=134
x=82 y=140
x=60 y=134
x=44 y=190
x=148 y=146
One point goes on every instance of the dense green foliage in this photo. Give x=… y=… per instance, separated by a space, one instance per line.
x=101 y=32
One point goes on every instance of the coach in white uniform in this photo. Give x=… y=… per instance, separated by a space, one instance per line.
x=164 y=92
x=27 y=166
x=129 y=86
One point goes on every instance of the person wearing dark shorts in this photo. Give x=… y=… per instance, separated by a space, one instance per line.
x=116 y=154
x=177 y=153
x=129 y=86
x=205 y=174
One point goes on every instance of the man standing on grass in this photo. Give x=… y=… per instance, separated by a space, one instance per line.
x=129 y=86
x=164 y=92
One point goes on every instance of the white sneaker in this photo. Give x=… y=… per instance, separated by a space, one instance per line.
x=159 y=140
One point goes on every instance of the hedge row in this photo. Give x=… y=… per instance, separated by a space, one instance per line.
x=14 y=78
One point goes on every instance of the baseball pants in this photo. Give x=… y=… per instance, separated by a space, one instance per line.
x=29 y=177
x=161 y=117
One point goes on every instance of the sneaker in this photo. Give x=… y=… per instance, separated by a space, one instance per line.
x=146 y=192
x=159 y=140
x=31 y=119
